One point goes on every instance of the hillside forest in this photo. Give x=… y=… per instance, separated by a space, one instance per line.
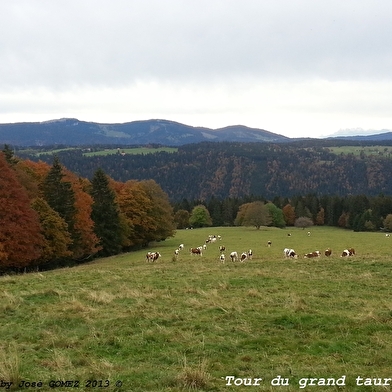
x=237 y=170
x=53 y=216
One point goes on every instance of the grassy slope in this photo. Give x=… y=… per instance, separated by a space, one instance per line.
x=132 y=151
x=190 y=322
x=375 y=151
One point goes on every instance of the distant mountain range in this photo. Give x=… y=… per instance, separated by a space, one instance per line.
x=72 y=132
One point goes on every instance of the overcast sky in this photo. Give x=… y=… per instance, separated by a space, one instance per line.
x=292 y=67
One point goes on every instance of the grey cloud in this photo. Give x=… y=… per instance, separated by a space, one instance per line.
x=55 y=44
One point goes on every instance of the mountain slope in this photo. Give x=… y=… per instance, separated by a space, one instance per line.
x=73 y=132
x=236 y=170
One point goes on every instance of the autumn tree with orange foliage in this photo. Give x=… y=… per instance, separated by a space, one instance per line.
x=289 y=214
x=134 y=204
x=55 y=232
x=161 y=211
x=20 y=232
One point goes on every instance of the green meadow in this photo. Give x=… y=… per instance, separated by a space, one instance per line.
x=193 y=323
x=131 y=151
x=375 y=151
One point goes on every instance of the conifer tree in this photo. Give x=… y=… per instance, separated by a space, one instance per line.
x=106 y=215
x=60 y=196
x=9 y=155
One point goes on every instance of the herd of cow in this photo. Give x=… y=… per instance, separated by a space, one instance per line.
x=290 y=253
x=248 y=255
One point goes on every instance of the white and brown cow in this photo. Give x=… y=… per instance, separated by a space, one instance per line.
x=153 y=256
x=348 y=252
x=290 y=253
x=312 y=254
x=328 y=252
x=234 y=256
x=196 y=251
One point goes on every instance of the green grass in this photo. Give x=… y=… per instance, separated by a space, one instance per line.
x=131 y=151
x=374 y=151
x=107 y=151
x=187 y=323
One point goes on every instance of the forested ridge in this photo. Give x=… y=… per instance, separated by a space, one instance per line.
x=200 y=171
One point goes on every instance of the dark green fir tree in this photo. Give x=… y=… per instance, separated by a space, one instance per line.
x=106 y=215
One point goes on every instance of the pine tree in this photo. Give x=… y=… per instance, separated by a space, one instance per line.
x=61 y=198
x=9 y=155
x=106 y=215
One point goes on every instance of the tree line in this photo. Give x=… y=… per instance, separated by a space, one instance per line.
x=51 y=217
x=354 y=212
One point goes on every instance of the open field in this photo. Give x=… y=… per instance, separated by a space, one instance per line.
x=131 y=151
x=375 y=151
x=103 y=152
x=186 y=324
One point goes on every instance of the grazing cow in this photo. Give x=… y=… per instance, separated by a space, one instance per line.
x=308 y=233
x=222 y=248
x=312 y=254
x=387 y=235
x=234 y=256
x=204 y=247
x=243 y=257
x=269 y=243
x=348 y=252
x=250 y=254
x=176 y=252
x=328 y=252
x=196 y=251
x=212 y=238
x=290 y=253
x=181 y=247
x=153 y=256
x=222 y=258
x=288 y=234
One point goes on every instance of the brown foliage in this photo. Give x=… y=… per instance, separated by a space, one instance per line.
x=20 y=232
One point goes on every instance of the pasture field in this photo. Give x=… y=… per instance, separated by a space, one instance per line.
x=106 y=151
x=122 y=324
x=375 y=151
x=131 y=151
